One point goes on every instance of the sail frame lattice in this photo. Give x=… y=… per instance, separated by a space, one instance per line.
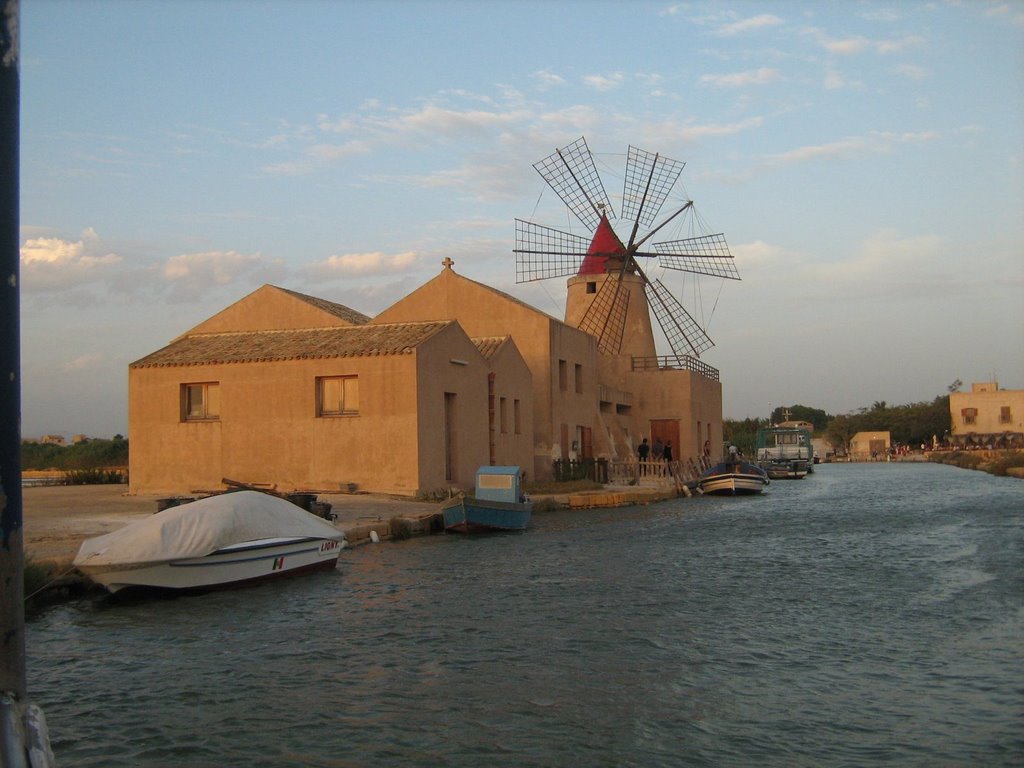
x=542 y=252
x=702 y=255
x=676 y=322
x=572 y=175
x=605 y=318
x=649 y=180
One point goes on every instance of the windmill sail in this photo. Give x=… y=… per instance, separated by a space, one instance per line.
x=606 y=312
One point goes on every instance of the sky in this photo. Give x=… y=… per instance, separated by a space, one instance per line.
x=865 y=161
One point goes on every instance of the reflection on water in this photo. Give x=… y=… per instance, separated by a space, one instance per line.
x=867 y=615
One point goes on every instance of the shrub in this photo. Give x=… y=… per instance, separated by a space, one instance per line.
x=93 y=477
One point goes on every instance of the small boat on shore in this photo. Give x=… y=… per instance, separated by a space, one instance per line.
x=498 y=504
x=220 y=541
x=733 y=477
x=785 y=452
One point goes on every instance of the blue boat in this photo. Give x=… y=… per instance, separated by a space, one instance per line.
x=498 y=505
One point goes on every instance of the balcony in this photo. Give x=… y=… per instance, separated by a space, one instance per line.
x=675 y=363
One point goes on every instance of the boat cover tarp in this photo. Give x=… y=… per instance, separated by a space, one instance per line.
x=201 y=527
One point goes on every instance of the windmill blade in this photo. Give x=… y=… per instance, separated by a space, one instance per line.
x=543 y=252
x=685 y=336
x=649 y=179
x=605 y=318
x=571 y=173
x=704 y=255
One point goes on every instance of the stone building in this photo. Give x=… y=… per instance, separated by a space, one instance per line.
x=303 y=393
x=987 y=417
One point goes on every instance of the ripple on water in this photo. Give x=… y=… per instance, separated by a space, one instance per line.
x=865 y=615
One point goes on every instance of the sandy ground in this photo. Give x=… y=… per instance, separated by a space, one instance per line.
x=58 y=518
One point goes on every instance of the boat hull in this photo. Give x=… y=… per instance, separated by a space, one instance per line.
x=477 y=516
x=795 y=469
x=733 y=479
x=232 y=566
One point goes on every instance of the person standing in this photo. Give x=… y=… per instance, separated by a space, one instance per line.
x=658 y=450
x=642 y=451
x=667 y=453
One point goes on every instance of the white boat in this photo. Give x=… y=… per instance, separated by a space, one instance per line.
x=733 y=477
x=784 y=452
x=220 y=541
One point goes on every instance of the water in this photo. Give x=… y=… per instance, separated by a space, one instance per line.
x=868 y=615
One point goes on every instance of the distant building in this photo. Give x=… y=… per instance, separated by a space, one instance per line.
x=987 y=417
x=53 y=440
x=870 y=446
x=76 y=439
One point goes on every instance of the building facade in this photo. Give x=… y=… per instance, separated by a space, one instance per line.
x=987 y=417
x=301 y=393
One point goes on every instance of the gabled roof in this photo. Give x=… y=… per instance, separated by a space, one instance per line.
x=449 y=274
x=333 y=308
x=305 y=344
x=488 y=345
x=271 y=308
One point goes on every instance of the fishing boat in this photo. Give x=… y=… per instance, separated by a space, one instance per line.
x=497 y=505
x=220 y=541
x=733 y=477
x=785 y=452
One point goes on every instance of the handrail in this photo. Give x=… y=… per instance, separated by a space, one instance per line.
x=675 y=363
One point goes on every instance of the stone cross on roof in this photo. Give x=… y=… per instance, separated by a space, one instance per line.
x=447 y=262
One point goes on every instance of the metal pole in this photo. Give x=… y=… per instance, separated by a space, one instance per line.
x=23 y=737
x=12 y=639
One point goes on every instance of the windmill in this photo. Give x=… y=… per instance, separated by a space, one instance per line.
x=619 y=297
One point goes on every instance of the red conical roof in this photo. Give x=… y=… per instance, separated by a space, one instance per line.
x=605 y=243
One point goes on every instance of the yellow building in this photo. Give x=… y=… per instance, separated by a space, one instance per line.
x=987 y=417
x=302 y=393
x=870 y=446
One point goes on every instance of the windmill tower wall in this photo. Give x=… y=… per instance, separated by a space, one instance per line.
x=637 y=335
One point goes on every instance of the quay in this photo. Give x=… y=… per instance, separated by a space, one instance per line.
x=58 y=518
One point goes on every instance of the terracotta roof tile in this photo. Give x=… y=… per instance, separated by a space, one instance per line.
x=488 y=345
x=338 y=310
x=306 y=344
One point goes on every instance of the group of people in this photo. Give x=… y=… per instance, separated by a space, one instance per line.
x=657 y=452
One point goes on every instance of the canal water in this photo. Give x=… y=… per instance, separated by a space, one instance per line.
x=868 y=615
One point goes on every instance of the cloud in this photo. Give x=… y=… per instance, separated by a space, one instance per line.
x=835 y=80
x=546 y=79
x=82 y=362
x=858 y=44
x=694 y=132
x=745 y=25
x=912 y=71
x=604 y=82
x=193 y=275
x=761 y=76
x=370 y=264
x=52 y=264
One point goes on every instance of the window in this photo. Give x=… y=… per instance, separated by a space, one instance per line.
x=578 y=371
x=563 y=375
x=337 y=396
x=970 y=415
x=200 y=402
x=591 y=287
x=1004 y=414
x=503 y=414
x=516 y=419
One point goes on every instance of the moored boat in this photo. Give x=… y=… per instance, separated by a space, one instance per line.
x=221 y=541
x=733 y=477
x=498 y=504
x=784 y=452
